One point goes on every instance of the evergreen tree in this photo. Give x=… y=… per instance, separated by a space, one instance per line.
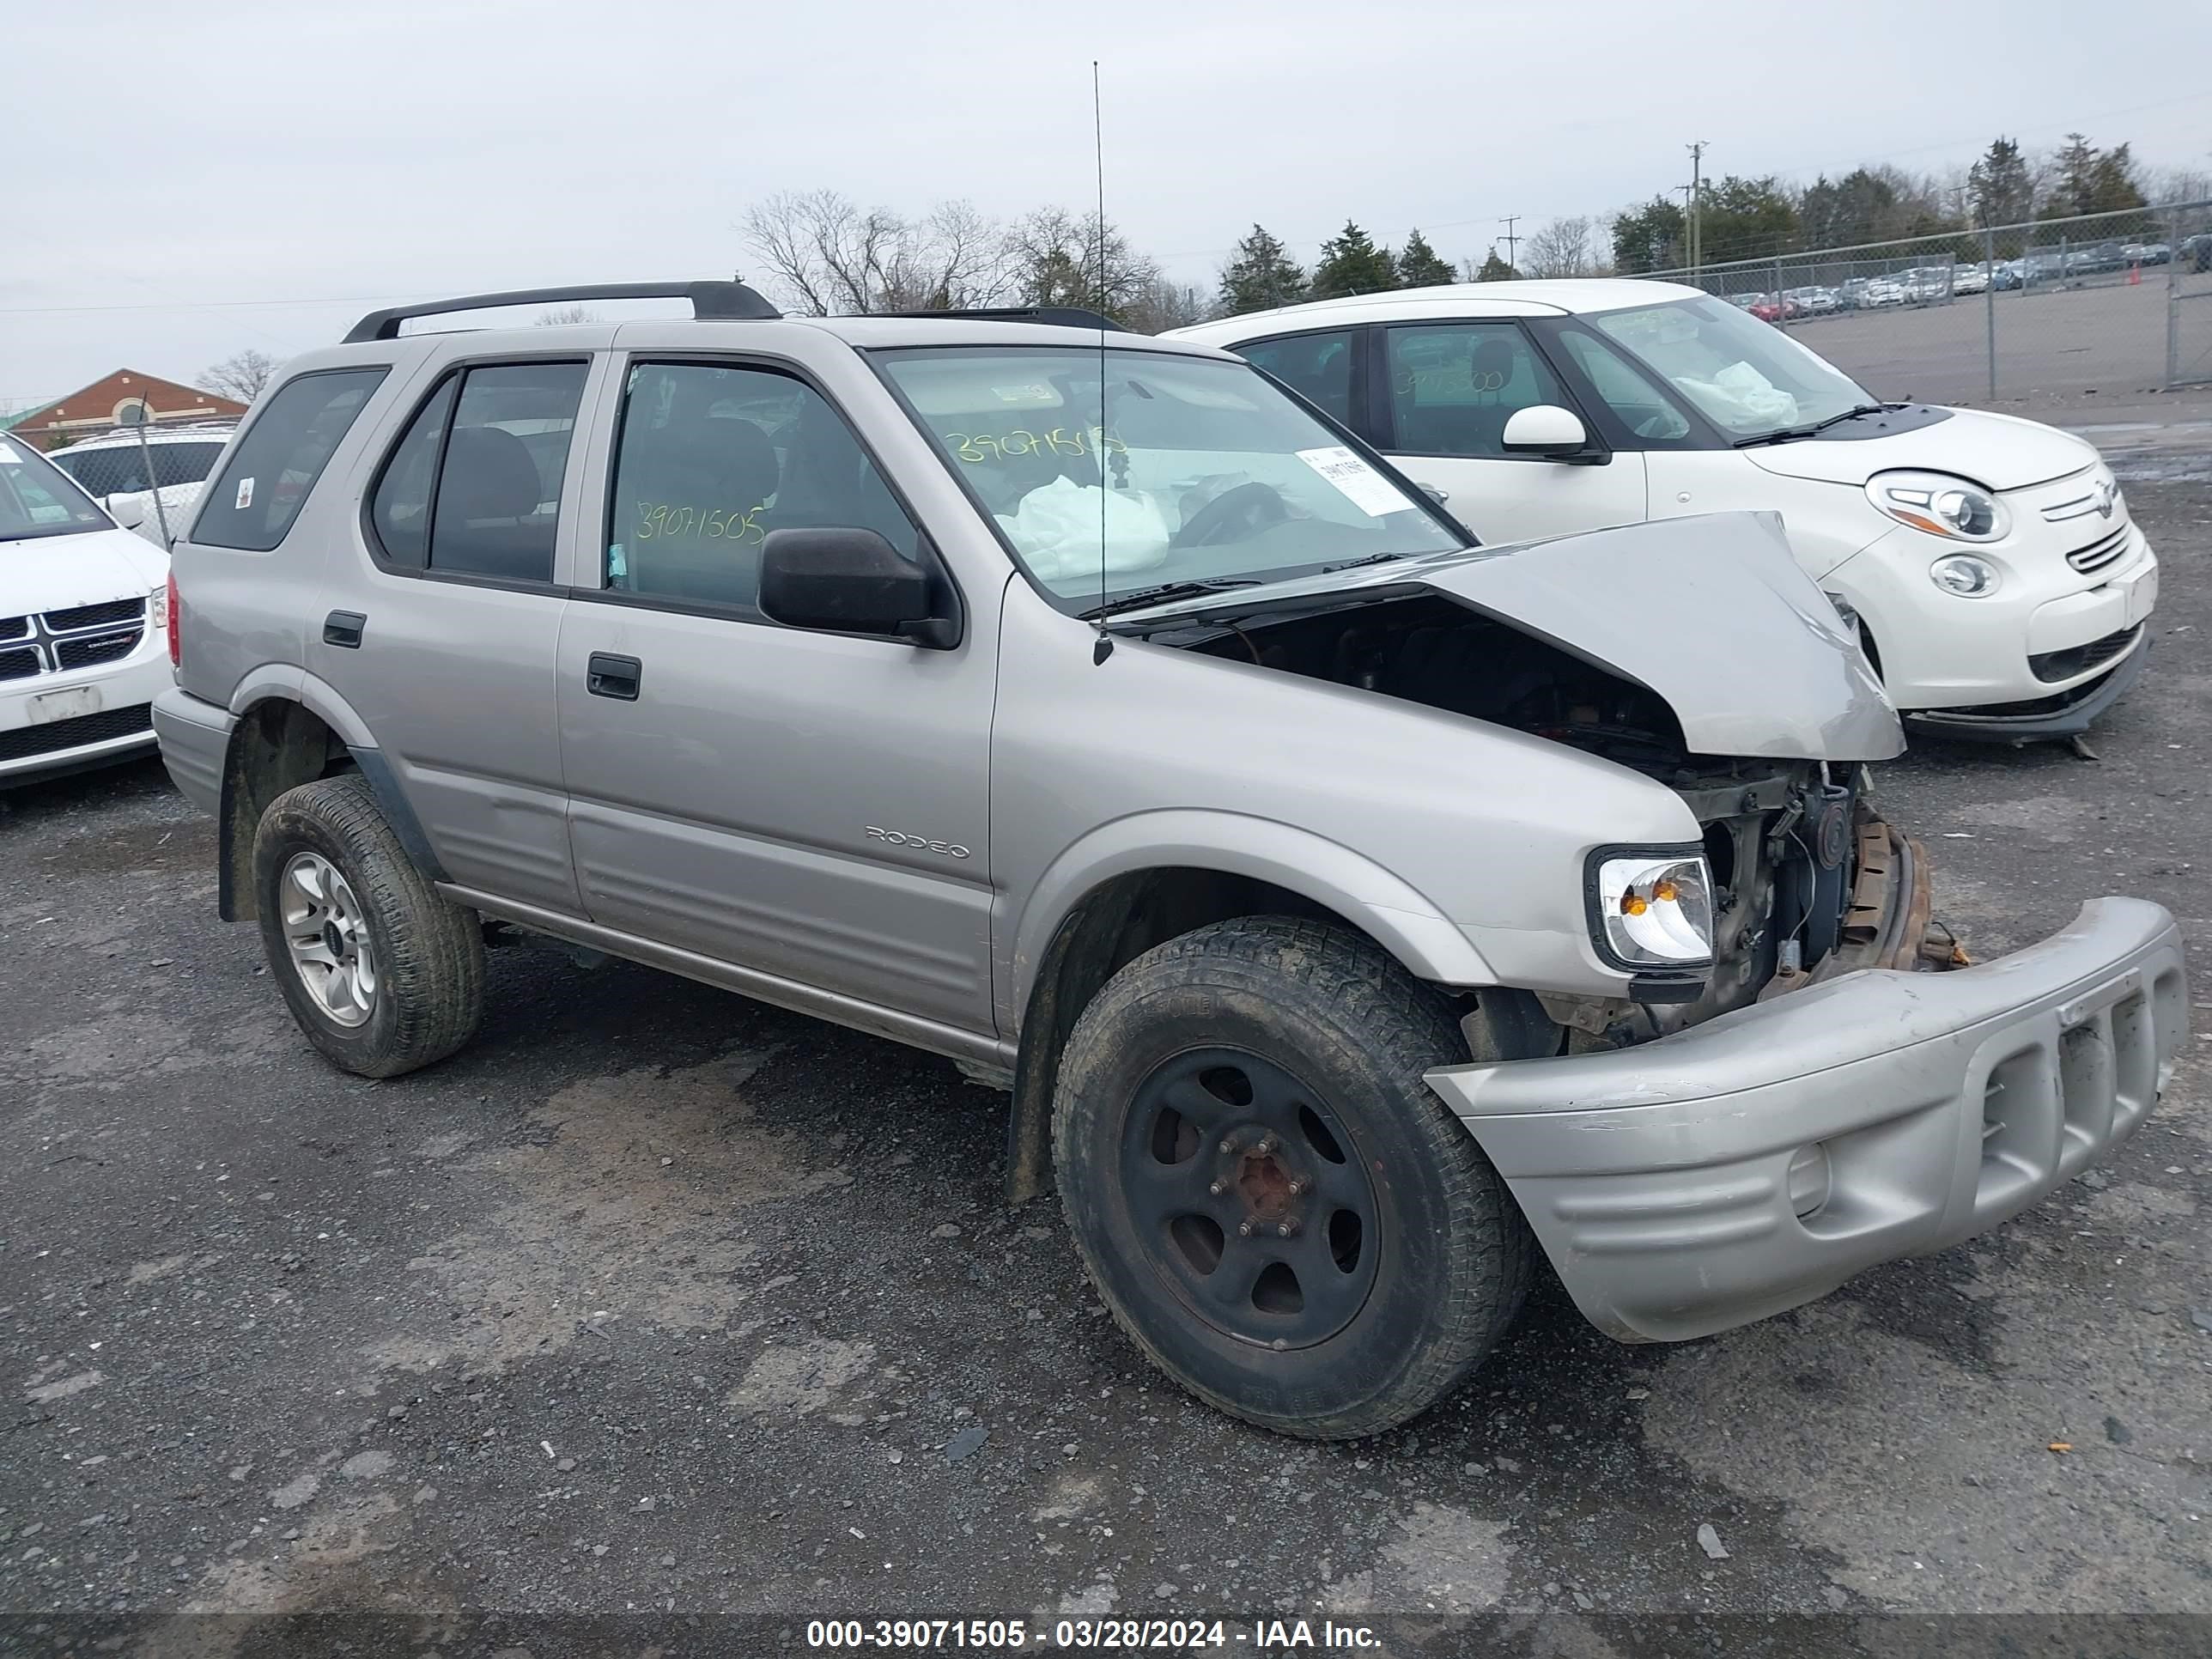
x=2001 y=187
x=1495 y=269
x=1652 y=238
x=1351 y=264
x=1419 y=265
x=1261 y=276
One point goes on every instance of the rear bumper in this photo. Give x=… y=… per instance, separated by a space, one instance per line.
x=1659 y=1178
x=195 y=737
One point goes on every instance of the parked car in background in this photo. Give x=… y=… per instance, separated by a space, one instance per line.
x=83 y=620
x=1990 y=563
x=1083 y=707
x=113 y=468
x=2147 y=253
x=1883 y=291
x=1970 y=279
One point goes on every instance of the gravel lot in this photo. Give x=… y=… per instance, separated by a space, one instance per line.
x=657 y=1299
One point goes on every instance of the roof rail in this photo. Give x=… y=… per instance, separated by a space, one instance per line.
x=1056 y=316
x=709 y=300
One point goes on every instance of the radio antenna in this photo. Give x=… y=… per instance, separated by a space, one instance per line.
x=1103 y=647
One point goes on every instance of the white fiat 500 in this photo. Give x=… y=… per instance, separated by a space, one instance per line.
x=83 y=625
x=1998 y=583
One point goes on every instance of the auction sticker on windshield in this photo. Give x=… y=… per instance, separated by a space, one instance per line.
x=1359 y=483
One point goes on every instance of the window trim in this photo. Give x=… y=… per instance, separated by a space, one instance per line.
x=1599 y=451
x=381 y=368
x=1550 y=336
x=623 y=360
x=1360 y=445
x=457 y=369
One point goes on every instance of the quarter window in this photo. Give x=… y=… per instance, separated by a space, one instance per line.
x=1317 y=366
x=273 y=465
x=712 y=458
x=473 y=487
x=1453 y=387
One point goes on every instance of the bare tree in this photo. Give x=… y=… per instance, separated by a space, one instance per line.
x=1061 y=258
x=558 y=316
x=1564 y=248
x=241 y=375
x=828 y=257
x=1160 y=304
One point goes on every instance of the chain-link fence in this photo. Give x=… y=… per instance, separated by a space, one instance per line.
x=2102 y=303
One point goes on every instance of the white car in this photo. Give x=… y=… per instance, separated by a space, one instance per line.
x=1970 y=279
x=1999 y=585
x=113 y=468
x=1883 y=292
x=84 y=621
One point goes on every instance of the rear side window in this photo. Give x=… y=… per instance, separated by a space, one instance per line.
x=252 y=501
x=473 y=486
x=1317 y=366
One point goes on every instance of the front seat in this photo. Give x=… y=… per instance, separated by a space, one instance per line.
x=489 y=494
x=706 y=464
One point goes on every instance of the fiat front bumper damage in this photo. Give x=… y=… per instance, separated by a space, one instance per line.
x=1757 y=1161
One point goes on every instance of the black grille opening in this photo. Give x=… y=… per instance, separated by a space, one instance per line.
x=2098 y=554
x=15 y=628
x=2049 y=665
x=84 y=729
x=95 y=615
x=18 y=665
x=106 y=647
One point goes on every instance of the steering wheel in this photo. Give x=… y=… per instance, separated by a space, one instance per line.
x=1234 y=514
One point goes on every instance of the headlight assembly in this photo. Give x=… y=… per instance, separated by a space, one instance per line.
x=1941 y=505
x=1652 y=909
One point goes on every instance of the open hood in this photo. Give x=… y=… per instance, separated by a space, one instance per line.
x=1998 y=452
x=1709 y=613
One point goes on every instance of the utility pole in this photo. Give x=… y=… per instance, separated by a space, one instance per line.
x=1697 y=202
x=1689 y=255
x=1509 y=221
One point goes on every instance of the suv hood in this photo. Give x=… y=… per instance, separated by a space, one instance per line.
x=1710 y=613
x=1998 y=452
x=54 y=572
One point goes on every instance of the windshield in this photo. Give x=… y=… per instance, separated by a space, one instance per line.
x=1743 y=375
x=1211 y=473
x=36 y=500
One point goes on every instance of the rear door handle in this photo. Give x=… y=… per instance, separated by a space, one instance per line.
x=608 y=676
x=343 y=627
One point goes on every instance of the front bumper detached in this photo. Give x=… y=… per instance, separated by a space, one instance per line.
x=1675 y=1185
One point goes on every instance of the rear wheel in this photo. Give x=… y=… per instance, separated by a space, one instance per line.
x=381 y=974
x=1276 y=1207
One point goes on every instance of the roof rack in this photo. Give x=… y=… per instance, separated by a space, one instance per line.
x=1056 y=316
x=709 y=301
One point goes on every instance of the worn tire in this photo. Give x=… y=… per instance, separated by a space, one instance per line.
x=429 y=954
x=1341 y=1018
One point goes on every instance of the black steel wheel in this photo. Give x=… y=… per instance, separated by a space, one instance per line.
x=1273 y=1205
x=1245 y=1199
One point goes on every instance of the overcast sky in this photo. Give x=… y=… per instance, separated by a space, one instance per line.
x=187 y=178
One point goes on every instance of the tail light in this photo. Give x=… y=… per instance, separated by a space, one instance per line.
x=176 y=615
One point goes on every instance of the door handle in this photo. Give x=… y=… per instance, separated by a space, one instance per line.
x=608 y=676
x=343 y=627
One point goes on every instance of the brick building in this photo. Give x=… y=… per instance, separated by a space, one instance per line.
x=121 y=399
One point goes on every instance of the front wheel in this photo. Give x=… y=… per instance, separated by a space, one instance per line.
x=1273 y=1205
x=381 y=974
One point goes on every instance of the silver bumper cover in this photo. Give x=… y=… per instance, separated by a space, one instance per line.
x=195 y=737
x=1658 y=1178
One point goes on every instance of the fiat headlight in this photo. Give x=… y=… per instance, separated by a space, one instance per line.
x=1652 y=909
x=1941 y=505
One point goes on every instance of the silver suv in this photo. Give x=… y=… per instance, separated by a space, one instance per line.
x=1349 y=911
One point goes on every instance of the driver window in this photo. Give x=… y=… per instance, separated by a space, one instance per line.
x=1317 y=366
x=1647 y=413
x=1454 y=385
x=711 y=459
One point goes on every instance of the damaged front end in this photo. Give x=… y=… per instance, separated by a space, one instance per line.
x=1695 y=653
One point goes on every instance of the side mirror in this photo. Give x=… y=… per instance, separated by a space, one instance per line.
x=1545 y=429
x=850 y=580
